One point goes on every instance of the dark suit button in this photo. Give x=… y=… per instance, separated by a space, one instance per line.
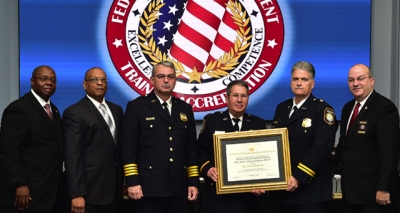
x=151 y=126
x=171 y=149
x=170 y=138
x=172 y=160
x=150 y=167
x=170 y=127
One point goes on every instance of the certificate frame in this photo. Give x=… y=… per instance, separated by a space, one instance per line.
x=251 y=163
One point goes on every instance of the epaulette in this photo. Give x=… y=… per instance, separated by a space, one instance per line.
x=177 y=99
x=253 y=117
x=318 y=100
x=140 y=97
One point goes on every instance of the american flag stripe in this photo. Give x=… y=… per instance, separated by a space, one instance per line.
x=194 y=36
x=205 y=33
x=227 y=19
x=185 y=51
x=206 y=16
x=221 y=2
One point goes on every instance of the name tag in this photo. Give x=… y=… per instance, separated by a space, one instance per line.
x=150 y=118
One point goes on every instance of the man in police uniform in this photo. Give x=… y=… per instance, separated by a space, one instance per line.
x=233 y=119
x=158 y=147
x=312 y=128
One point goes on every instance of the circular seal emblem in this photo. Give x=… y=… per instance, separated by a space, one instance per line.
x=211 y=43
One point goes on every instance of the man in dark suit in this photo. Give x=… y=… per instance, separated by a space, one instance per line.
x=92 y=129
x=31 y=148
x=369 y=146
x=312 y=126
x=231 y=120
x=158 y=147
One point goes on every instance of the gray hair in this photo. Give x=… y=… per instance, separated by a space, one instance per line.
x=304 y=65
x=164 y=63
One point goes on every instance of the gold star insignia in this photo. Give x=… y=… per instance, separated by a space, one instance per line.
x=194 y=76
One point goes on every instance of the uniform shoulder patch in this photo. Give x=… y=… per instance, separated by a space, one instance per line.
x=329 y=116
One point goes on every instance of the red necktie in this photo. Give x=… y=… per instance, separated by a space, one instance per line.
x=354 y=116
x=48 y=111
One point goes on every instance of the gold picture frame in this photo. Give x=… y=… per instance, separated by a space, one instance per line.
x=248 y=160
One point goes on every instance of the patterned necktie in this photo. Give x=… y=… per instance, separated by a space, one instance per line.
x=236 y=126
x=354 y=116
x=48 y=111
x=165 y=107
x=108 y=120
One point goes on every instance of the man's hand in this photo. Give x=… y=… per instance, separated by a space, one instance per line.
x=213 y=174
x=292 y=184
x=193 y=192
x=22 y=197
x=258 y=192
x=135 y=192
x=383 y=197
x=78 y=205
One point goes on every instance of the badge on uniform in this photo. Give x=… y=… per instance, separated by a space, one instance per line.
x=362 y=127
x=329 y=116
x=306 y=122
x=183 y=117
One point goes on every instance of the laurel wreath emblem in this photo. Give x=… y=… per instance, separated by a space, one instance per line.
x=215 y=69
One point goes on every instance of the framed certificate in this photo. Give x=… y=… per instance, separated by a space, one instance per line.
x=248 y=160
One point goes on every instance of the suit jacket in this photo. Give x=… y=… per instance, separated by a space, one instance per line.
x=312 y=131
x=31 y=152
x=370 y=153
x=221 y=121
x=159 y=152
x=92 y=156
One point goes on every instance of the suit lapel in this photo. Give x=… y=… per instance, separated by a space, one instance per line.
x=363 y=111
x=246 y=123
x=92 y=109
x=41 y=111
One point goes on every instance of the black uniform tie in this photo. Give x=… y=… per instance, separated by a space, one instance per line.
x=236 y=126
x=165 y=105
x=294 y=111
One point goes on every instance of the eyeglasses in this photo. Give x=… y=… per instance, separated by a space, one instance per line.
x=359 y=78
x=305 y=80
x=162 y=76
x=236 y=96
x=95 y=80
x=45 y=79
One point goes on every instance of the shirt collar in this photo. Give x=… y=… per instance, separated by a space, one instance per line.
x=301 y=103
x=161 y=100
x=96 y=103
x=42 y=102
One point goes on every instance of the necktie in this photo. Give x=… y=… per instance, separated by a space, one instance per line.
x=354 y=116
x=48 y=111
x=294 y=110
x=165 y=106
x=236 y=126
x=108 y=120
